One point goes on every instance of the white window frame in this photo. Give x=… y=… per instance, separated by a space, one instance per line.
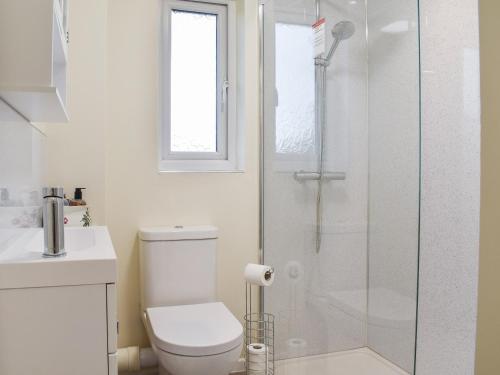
x=226 y=158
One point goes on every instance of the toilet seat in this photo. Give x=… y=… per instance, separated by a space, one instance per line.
x=195 y=330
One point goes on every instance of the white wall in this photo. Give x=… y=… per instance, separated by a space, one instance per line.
x=76 y=150
x=450 y=187
x=137 y=195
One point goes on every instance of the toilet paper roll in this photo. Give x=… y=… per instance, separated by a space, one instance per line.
x=259 y=274
x=257 y=359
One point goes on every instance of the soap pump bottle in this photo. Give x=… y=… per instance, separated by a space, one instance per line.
x=78 y=198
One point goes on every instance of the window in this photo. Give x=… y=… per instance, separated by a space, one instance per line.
x=295 y=127
x=295 y=139
x=198 y=102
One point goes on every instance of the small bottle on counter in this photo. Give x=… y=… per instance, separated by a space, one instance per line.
x=78 y=198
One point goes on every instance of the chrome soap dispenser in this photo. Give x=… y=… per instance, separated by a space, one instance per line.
x=53 y=221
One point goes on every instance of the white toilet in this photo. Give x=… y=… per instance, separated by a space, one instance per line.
x=190 y=332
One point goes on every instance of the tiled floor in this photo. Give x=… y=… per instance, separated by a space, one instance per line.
x=353 y=362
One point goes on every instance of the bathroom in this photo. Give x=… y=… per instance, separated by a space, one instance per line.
x=367 y=180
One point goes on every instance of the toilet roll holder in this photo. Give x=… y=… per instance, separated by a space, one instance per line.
x=259 y=336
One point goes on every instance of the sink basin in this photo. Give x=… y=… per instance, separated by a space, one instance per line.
x=8 y=236
x=90 y=259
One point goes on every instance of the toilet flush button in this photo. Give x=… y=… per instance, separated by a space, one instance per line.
x=179 y=227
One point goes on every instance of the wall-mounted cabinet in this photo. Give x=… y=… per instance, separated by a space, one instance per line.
x=34 y=59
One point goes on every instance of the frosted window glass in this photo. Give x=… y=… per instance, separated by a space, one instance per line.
x=193 y=82
x=295 y=131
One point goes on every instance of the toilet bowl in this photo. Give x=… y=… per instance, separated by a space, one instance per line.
x=201 y=339
x=190 y=332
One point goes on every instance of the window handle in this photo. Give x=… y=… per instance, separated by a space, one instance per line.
x=225 y=88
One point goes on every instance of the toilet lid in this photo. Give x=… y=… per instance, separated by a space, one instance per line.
x=195 y=330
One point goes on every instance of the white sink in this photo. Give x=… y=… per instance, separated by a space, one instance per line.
x=90 y=259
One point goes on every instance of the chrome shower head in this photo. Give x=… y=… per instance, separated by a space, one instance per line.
x=343 y=30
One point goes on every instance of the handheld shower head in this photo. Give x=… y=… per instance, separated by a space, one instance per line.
x=341 y=31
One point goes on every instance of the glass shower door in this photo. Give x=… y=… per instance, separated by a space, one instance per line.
x=355 y=293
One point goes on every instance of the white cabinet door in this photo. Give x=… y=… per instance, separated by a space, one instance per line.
x=54 y=331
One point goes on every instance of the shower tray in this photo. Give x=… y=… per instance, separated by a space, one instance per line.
x=361 y=361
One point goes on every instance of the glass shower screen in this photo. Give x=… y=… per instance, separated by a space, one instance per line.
x=340 y=192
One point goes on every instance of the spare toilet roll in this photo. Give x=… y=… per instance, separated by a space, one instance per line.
x=259 y=274
x=257 y=358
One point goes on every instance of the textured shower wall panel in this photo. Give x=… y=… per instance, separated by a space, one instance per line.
x=393 y=58
x=450 y=187
x=307 y=294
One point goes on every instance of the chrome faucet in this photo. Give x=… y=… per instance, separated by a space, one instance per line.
x=53 y=221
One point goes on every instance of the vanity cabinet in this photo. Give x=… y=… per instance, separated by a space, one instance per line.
x=58 y=330
x=34 y=60
x=58 y=316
